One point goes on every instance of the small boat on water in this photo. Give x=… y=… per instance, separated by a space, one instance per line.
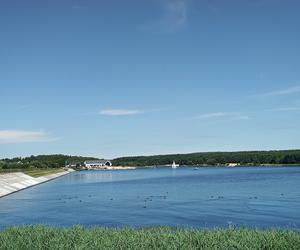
x=174 y=165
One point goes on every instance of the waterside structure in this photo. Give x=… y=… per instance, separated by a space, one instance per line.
x=97 y=164
x=14 y=182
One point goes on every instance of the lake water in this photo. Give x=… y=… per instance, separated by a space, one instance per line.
x=264 y=197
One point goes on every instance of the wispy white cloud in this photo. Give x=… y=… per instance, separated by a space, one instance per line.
x=21 y=136
x=174 y=16
x=120 y=112
x=286 y=109
x=213 y=115
x=287 y=91
x=241 y=117
x=225 y=115
x=25 y=107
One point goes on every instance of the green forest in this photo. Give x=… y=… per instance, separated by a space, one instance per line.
x=214 y=158
x=42 y=161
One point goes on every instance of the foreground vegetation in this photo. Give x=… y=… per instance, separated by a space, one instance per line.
x=215 y=158
x=41 y=237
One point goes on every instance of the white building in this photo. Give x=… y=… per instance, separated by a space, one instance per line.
x=97 y=164
x=232 y=164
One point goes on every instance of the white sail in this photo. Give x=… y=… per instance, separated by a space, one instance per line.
x=174 y=165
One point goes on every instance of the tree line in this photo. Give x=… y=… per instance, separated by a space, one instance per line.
x=214 y=158
x=209 y=158
x=42 y=161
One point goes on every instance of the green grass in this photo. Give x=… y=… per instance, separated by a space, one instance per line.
x=42 y=171
x=41 y=237
x=34 y=172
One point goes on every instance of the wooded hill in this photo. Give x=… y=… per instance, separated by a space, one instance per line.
x=209 y=158
x=214 y=158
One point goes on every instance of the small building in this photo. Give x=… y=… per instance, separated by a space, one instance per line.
x=72 y=165
x=232 y=164
x=97 y=164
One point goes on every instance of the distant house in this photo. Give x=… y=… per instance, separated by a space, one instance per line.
x=97 y=164
x=72 y=165
x=232 y=164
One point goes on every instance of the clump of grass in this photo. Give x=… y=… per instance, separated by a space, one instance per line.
x=41 y=237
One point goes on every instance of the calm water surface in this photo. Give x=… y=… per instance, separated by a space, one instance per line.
x=209 y=197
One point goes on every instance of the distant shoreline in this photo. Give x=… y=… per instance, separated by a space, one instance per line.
x=209 y=166
x=112 y=168
x=204 y=159
x=273 y=157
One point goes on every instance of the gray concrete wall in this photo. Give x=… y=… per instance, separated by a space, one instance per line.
x=13 y=182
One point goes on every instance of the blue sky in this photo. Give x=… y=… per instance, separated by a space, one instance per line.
x=112 y=78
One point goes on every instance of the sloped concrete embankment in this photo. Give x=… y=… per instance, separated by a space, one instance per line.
x=13 y=182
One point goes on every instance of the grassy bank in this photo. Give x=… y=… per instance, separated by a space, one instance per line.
x=41 y=237
x=42 y=171
x=35 y=172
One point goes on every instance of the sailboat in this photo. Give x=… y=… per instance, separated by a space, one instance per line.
x=174 y=165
